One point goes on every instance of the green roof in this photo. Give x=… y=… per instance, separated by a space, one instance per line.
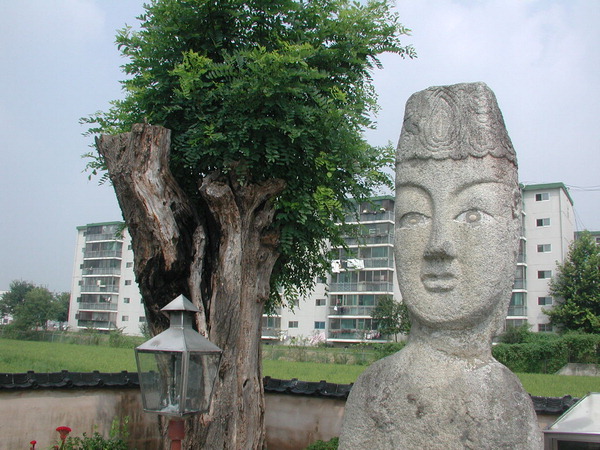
x=544 y=186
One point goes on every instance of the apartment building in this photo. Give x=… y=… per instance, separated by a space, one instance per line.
x=104 y=294
x=549 y=229
x=339 y=310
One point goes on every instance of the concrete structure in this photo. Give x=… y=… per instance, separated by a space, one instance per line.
x=549 y=224
x=104 y=294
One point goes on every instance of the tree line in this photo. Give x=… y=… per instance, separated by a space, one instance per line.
x=33 y=306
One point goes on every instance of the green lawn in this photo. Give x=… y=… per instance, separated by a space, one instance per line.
x=21 y=356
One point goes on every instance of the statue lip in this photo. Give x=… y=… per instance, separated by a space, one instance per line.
x=439 y=282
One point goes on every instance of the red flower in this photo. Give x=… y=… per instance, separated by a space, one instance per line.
x=33 y=444
x=64 y=432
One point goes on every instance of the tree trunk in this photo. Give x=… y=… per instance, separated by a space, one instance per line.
x=217 y=250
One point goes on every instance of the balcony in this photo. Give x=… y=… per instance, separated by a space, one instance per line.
x=520 y=310
x=101 y=288
x=355 y=335
x=520 y=284
x=103 y=237
x=363 y=311
x=374 y=216
x=98 y=306
x=101 y=271
x=98 y=324
x=270 y=333
x=361 y=287
x=102 y=254
x=370 y=240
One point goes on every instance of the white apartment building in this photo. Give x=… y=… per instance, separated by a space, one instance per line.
x=105 y=296
x=549 y=229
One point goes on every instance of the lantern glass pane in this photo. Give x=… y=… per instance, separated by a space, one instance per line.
x=161 y=381
x=202 y=374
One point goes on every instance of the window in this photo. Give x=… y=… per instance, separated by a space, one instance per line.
x=544 y=327
x=542 y=197
x=126 y=300
x=544 y=274
x=544 y=248
x=81 y=266
x=320 y=302
x=124 y=318
x=129 y=264
x=293 y=324
x=129 y=247
x=127 y=282
x=544 y=301
x=142 y=319
x=319 y=325
x=542 y=222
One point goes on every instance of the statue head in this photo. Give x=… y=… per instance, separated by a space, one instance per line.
x=457 y=209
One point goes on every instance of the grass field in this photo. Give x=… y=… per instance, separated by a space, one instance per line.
x=21 y=356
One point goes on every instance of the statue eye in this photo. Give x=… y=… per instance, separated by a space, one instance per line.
x=472 y=216
x=413 y=219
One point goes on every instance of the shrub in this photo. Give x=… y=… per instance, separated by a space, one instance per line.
x=389 y=348
x=332 y=444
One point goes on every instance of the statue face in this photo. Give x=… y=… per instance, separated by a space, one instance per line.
x=456 y=238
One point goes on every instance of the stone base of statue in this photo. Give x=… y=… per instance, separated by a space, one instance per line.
x=424 y=399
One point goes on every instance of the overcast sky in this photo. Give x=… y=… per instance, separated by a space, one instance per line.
x=59 y=63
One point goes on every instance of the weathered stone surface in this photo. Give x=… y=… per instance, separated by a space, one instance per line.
x=457 y=231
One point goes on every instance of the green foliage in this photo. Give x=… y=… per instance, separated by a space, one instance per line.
x=332 y=444
x=516 y=335
x=576 y=287
x=392 y=317
x=60 y=310
x=32 y=306
x=548 y=352
x=35 y=310
x=532 y=357
x=116 y=440
x=15 y=296
x=383 y=350
x=261 y=89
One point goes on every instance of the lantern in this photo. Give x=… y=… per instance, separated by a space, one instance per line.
x=178 y=367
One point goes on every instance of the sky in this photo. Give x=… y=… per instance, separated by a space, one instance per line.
x=58 y=63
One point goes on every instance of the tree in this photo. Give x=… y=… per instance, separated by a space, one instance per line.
x=35 y=310
x=15 y=296
x=60 y=307
x=391 y=316
x=255 y=149
x=576 y=287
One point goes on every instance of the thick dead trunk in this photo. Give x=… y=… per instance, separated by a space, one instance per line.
x=219 y=252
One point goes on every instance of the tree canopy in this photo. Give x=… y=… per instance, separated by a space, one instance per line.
x=576 y=287
x=392 y=317
x=265 y=89
x=33 y=306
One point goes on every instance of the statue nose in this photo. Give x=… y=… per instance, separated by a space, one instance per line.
x=439 y=245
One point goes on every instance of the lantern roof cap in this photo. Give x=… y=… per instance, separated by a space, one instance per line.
x=180 y=303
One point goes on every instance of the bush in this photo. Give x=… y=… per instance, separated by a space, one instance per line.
x=582 y=348
x=383 y=350
x=332 y=444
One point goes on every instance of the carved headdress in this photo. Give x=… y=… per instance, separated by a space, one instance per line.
x=454 y=122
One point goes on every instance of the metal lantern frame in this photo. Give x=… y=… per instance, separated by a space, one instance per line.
x=178 y=367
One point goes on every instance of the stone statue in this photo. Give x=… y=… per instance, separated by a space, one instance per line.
x=456 y=240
